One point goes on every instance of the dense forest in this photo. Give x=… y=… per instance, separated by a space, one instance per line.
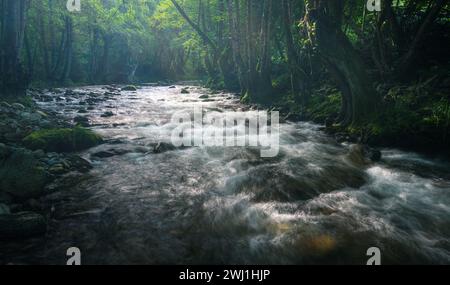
x=93 y=93
x=382 y=76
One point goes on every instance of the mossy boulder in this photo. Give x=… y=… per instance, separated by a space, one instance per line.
x=22 y=176
x=62 y=140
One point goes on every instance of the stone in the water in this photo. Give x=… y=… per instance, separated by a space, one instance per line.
x=58 y=169
x=81 y=120
x=375 y=155
x=163 y=147
x=103 y=154
x=185 y=91
x=22 y=225
x=362 y=155
x=129 y=88
x=204 y=97
x=107 y=114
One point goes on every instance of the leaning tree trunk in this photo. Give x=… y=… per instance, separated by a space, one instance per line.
x=67 y=50
x=12 y=80
x=361 y=101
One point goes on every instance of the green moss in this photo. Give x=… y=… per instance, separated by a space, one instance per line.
x=324 y=104
x=246 y=98
x=62 y=140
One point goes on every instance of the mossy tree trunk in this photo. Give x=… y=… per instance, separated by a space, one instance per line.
x=360 y=100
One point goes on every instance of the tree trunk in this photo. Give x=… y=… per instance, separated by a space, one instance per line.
x=13 y=80
x=67 y=50
x=344 y=62
x=407 y=61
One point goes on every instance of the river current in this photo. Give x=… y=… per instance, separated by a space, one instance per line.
x=226 y=205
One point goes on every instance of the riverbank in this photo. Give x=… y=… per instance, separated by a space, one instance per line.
x=413 y=117
x=37 y=148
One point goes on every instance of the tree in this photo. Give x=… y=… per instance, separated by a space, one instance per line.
x=360 y=100
x=13 y=79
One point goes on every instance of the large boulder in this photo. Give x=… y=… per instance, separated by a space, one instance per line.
x=22 y=225
x=362 y=155
x=22 y=175
x=62 y=140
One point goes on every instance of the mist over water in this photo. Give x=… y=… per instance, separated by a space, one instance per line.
x=203 y=205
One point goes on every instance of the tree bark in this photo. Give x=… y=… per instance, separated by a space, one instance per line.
x=343 y=61
x=407 y=61
x=13 y=79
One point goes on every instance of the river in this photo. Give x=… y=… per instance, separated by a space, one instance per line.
x=221 y=205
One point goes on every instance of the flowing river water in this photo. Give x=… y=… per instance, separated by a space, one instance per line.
x=218 y=205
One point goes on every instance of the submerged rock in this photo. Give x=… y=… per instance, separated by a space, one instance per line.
x=22 y=225
x=185 y=91
x=103 y=154
x=107 y=114
x=363 y=155
x=163 y=147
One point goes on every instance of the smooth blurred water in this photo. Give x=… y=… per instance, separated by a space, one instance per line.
x=217 y=205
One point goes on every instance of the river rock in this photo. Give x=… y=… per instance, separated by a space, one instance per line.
x=79 y=164
x=81 y=120
x=163 y=147
x=103 y=154
x=185 y=91
x=107 y=114
x=363 y=155
x=4 y=210
x=129 y=88
x=22 y=225
x=22 y=175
